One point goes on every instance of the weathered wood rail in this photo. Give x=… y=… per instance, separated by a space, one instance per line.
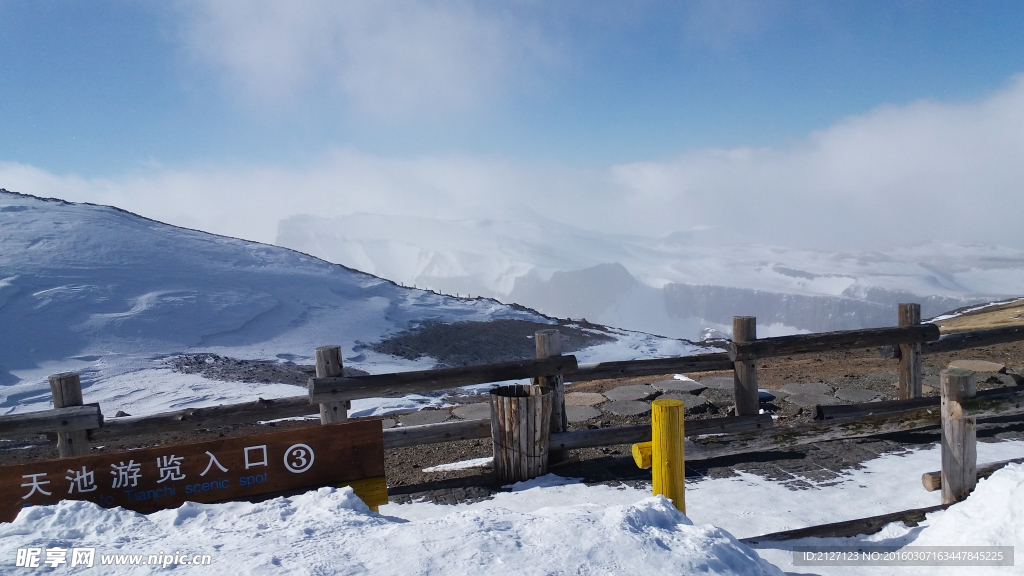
x=401 y=383
x=831 y=341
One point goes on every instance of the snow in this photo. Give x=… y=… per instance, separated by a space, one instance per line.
x=550 y=525
x=330 y=531
x=112 y=295
x=485 y=462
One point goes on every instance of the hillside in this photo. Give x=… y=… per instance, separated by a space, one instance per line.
x=113 y=296
x=991 y=315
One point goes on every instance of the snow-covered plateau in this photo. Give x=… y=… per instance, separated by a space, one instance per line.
x=677 y=284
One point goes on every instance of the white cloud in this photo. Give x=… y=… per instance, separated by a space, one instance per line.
x=896 y=175
x=391 y=61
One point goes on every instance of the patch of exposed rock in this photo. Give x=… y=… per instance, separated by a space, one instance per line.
x=474 y=343
x=216 y=367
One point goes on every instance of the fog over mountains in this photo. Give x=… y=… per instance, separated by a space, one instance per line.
x=681 y=284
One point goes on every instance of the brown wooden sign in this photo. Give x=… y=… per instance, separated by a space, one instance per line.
x=167 y=476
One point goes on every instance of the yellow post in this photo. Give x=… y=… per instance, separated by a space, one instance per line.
x=668 y=466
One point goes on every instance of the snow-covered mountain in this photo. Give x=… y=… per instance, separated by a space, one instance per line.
x=111 y=295
x=678 y=285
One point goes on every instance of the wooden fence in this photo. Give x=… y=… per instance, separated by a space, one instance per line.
x=329 y=394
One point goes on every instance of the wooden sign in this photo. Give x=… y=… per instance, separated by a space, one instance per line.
x=165 y=477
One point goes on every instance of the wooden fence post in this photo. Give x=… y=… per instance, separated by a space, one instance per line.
x=66 y=388
x=668 y=457
x=328 y=363
x=549 y=343
x=959 y=436
x=910 y=355
x=744 y=329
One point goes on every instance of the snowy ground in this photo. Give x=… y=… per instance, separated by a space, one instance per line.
x=551 y=525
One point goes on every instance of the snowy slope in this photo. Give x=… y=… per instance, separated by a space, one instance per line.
x=111 y=295
x=670 y=283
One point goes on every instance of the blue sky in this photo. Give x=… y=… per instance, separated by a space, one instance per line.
x=583 y=102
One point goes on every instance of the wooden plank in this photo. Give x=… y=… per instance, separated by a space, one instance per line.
x=974 y=339
x=848 y=528
x=229 y=468
x=642 y=432
x=208 y=417
x=959 y=437
x=828 y=341
x=328 y=365
x=995 y=405
x=436 y=433
x=402 y=383
x=891 y=406
x=651 y=367
x=910 y=378
x=66 y=388
x=58 y=420
x=744 y=330
x=932 y=481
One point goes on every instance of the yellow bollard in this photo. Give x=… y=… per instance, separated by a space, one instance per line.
x=642 y=455
x=668 y=466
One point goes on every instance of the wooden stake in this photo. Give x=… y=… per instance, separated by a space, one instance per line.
x=959 y=437
x=910 y=355
x=744 y=329
x=66 y=388
x=668 y=466
x=328 y=364
x=549 y=343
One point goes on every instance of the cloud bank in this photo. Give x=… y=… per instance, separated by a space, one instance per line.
x=893 y=176
x=389 y=61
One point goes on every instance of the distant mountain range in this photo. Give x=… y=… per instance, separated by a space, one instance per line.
x=683 y=284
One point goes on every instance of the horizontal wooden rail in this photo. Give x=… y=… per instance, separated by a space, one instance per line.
x=785 y=437
x=642 y=433
x=473 y=429
x=892 y=406
x=1001 y=405
x=68 y=419
x=209 y=417
x=932 y=481
x=828 y=341
x=849 y=528
x=436 y=433
x=974 y=339
x=401 y=383
x=652 y=367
